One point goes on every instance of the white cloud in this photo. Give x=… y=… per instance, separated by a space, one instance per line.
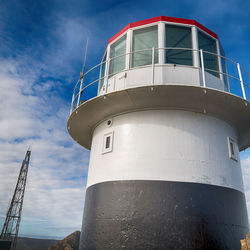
x=33 y=114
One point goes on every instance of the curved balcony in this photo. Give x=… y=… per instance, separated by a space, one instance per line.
x=228 y=79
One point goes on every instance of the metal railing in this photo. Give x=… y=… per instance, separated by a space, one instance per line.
x=228 y=71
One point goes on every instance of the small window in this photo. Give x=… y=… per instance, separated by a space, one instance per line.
x=232 y=149
x=107 y=143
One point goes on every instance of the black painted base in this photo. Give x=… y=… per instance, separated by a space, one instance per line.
x=158 y=215
x=5 y=244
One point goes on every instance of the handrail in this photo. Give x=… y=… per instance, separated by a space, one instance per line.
x=79 y=89
x=245 y=71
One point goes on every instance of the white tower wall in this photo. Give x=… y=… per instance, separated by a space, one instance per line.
x=166 y=145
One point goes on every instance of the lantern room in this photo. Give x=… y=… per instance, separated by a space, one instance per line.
x=163 y=50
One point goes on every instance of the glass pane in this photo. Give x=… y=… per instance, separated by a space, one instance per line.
x=178 y=37
x=146 y=38
x=118 y=63
x=107 y=145
x=208 y=45
x=102 y=69
x=224 y=68
x=232 y=148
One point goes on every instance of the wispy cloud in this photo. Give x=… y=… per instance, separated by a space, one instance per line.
x=36 y=115
x=36 y=80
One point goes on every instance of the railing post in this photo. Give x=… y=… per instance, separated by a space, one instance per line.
x=203 y=69
x=241 y=82
x=100 y=78
x=153 y=65
x=228 y=84
x=107 y=81
x=72 y=103
x=80 y=90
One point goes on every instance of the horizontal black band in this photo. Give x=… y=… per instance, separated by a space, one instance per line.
x=163 y=215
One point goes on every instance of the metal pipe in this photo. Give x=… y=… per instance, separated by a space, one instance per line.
x=79 y=94
x=226 y=75
x=241 y=82
x=202 y=69
x=107 y=82
x=72 y=102
x=153 y=64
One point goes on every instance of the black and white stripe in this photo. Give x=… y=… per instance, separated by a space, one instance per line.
x=167 y=183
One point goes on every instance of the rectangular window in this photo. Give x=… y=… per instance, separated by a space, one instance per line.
x=178 y=37
x=102 y=70
x=117 y=56
x=224 y=69
x=145 y=39
x=107 y=143
x=208 y=44
x=232 y=148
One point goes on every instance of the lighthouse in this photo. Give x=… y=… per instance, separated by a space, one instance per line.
x=164 y=120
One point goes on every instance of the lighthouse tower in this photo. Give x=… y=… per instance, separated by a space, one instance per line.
x=165 y=127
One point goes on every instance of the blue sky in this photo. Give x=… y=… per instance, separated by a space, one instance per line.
x=41 y=55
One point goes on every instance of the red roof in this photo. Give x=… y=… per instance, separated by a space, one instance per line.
x=166 y=19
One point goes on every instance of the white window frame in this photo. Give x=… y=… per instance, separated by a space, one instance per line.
x=110 y=148
x=161 y=44
x=217 y=48
x=131 y=41
x=232 y=155
x=192 y=40
x=109 y=51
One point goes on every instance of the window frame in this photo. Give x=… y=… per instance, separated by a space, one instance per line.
x=110 y=148
x=217 y=52
x=223 y=61
x=194 y=30
x=131 y=46
x=103 y=70
x=191 y=36
x=119 y=56
x=231 y=143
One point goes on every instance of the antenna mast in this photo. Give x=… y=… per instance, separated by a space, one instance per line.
x=13 y=217
x=85 y=56
x=82 y=73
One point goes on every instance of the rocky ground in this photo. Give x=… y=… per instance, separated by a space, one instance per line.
x=71 y=242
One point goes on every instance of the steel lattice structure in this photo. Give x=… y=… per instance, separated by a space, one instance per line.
x=13 y=217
